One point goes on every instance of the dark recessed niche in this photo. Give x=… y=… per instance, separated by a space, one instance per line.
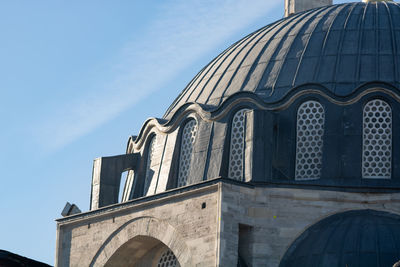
x=203 y=205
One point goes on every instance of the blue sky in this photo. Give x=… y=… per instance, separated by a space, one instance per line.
x=77 y=78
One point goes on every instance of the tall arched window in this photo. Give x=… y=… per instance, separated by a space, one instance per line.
x=236 y=152
x=188 y=137
x=309 y=143
x=168 y=259
x=149 y=170
x=377 y=140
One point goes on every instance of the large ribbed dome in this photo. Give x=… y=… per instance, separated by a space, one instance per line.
x=339 y=47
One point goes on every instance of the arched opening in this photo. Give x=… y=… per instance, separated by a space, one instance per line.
x=137 y=240
x=143 y=251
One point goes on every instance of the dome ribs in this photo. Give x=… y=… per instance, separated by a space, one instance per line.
x=197 y=78
x=212 y=64
x=376 y=22
x=342 y=261
x=327 y=241
x=367 y=49
x=328 y=32
x=226 y=67
x=336 y=67
x=387 y=63
x=240 y=65
x=179 y=97
x=338 y=48
x=216 y=67
x=395 y=5
x=251 y=75
x=201 y=76
x=360 y=38
x=310 y=36
x=271 y=61
x=282 y=60
x=377 y=247
x=393 y=236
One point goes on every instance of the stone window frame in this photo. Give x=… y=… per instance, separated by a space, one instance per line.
x=365 y=141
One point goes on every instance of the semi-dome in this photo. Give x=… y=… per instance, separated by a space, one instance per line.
x=339 y=47
x=353 y=238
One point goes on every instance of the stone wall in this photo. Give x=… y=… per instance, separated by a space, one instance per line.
x=203 y=223
x=277 y=216
x=186 y=222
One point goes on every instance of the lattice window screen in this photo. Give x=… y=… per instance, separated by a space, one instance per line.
x=310 y=131
x=236 y=152
x=188 y=136
x=168 y=259
x=377 y=140
x=149 y=171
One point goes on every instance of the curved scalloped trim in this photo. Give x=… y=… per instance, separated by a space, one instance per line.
x=252 y=100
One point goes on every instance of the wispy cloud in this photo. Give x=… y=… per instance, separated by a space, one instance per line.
x=185 y=31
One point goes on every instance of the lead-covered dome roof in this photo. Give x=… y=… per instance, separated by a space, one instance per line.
x=339 y=47
x=354 y=238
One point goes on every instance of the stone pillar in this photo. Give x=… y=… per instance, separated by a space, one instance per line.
x=107 y=177
x=295 y=6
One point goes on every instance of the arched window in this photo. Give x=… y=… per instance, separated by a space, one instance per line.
x=310 y=131
x=149 y=170
x=168 y=259
x=236 y=152
x=188 y=137
x=377 y=140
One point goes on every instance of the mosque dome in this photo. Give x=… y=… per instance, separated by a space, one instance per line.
x=353 y=238
x=309 y=99
x=337 y=47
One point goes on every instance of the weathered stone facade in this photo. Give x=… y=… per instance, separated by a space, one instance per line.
x=201 y=224
x=176 y=219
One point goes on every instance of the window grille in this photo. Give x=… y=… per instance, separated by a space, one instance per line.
x=149 y=170
x=236 y=152
x=310 y=131
x=168 y=259
x=377 y=140
x=188 y=137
